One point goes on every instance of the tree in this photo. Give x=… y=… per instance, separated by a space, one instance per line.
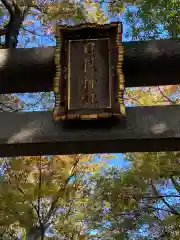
x=48 y=12
x=142 y=202
x=40 y=193
x=154 y=19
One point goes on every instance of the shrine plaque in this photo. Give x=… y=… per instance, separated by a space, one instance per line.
x=89 y=81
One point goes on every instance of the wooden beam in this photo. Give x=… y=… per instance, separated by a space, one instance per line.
x=146 y=129
x=146 y=63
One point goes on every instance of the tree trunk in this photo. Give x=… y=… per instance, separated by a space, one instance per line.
x=35 y=234
x=32 y=236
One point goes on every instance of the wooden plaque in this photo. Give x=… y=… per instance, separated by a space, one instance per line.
x=89 y=81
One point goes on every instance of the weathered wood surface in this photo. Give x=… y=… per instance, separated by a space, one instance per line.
x=146 y=63
x=34 y=133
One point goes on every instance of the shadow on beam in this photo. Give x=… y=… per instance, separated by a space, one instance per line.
x=34 y=133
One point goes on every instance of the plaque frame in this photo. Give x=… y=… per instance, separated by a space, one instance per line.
x=87 y=32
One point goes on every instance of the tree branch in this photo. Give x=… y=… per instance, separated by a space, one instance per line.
x=39 y=186
x=3 y=31
x=175 y=184
x=163 y=199
x=161 y=209
x=7 y=106
x=162 y=196
x=61 y=189
x=167 y=98
x=35 y=208
x=39 y=199
x=8 y=5
x=17 y=16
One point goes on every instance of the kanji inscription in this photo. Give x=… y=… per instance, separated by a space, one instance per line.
x=89 y=81
x=89 y=77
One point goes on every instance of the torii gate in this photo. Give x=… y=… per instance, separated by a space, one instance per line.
x=146 y=63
